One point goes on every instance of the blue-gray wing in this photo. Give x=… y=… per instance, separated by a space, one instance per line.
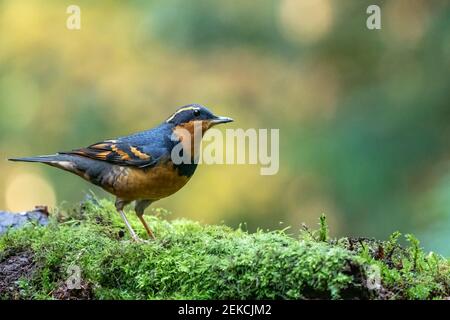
x=123 y=153
x=143 y=149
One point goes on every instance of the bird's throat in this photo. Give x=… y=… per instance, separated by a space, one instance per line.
x=190 y=135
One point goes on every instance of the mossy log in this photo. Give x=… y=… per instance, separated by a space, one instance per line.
x=83 y=253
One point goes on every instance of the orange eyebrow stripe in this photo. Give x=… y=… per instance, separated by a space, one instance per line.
x=181 y=110
x=139 y=154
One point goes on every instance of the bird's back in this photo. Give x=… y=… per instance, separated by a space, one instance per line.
x=137 y=166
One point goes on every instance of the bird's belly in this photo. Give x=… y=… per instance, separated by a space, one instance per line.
x=145 y=183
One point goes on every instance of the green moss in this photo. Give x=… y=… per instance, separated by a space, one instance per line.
x=323 y=231
x=193 y=261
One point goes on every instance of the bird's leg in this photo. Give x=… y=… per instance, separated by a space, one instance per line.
x=140 y=208
x=120 y=204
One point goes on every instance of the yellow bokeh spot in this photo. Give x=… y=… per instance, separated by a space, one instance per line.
x=406 y=21
x=26 y=190
x=306 y=21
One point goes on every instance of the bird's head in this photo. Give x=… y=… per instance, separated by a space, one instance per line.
x=187 y=115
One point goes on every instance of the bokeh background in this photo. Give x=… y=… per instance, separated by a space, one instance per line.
x=364 y=116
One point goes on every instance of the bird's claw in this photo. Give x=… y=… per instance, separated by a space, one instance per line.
x=139 y=240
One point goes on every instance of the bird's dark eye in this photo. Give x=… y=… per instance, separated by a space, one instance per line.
x=196 y=112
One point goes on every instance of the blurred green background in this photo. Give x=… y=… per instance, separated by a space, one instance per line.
x=364 y=116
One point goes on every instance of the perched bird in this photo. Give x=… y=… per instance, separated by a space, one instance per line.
x=139 y=167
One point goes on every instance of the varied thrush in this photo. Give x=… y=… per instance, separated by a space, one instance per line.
x=138 y=167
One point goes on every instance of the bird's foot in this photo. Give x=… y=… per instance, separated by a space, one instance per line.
x=137 y=239
x=140 y=240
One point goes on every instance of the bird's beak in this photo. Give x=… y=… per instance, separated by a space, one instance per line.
x=219 y=120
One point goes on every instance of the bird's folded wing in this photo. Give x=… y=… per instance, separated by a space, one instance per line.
x=118 y=152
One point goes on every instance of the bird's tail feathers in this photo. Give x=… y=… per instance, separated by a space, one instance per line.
x=44 y=159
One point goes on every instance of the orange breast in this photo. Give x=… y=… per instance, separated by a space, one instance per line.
x=144 y=183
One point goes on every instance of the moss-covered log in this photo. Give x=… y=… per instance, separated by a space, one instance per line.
x=194 y=261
